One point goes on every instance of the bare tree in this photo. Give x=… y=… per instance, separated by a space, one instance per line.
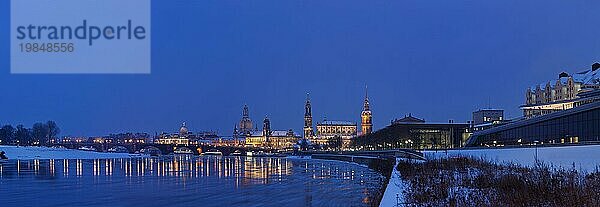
x=23 y=135
x=7 y=134
x=39 y=133
x=53 y=130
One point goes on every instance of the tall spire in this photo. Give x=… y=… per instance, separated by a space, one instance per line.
x=267 y=125
x=366 y=103
x=245 y=112
x=307 y=106
x=366 y=115
x=308 y=124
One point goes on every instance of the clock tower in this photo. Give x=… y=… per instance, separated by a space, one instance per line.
x=366 y=116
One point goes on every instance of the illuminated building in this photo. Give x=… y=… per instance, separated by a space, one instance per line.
x=580 y=124
x=268 y=138
x=124 y=138
x=366 y=117
x=244 y=128
x=327 y=130
x=72 y=140
x=102 y=140
x=308 y=123
x=566 y=111
x=224 y=141
x=412 y=132
x=175 y=139
x=245 y=125
x=562 y=94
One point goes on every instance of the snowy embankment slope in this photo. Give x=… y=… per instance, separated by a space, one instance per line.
x=585 y=157
x=28 y=153
x=393 y=192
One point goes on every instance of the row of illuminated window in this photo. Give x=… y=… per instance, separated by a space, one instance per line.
x=584 y=125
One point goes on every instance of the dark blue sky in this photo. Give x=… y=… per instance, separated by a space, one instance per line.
x=438 y=60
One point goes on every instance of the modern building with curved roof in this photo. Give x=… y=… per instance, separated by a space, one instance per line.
x=580 y=124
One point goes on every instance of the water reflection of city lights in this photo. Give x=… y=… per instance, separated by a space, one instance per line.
x=185 y=171
x=79 y=167
x=96 y=167
x=66 y=167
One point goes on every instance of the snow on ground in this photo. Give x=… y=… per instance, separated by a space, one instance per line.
x=393 y=192
x=28 y=153
x=585 y=157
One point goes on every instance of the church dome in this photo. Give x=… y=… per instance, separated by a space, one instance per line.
x=245 y=124
x=183 y=130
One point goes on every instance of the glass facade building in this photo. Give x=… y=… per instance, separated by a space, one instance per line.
x=577 y=125
x=417 y=136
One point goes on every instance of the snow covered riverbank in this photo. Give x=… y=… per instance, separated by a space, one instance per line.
x=28 y=153
x=584 y=157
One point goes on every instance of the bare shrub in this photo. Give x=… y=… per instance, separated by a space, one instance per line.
x=468 y=181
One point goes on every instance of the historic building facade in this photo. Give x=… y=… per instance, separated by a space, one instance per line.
x=186 y=137
x=181 y=138
x=267 y=138
x=327 y=130
x=560 y=94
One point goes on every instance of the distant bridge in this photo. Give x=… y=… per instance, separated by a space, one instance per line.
x=168 y=148
x=164 y=148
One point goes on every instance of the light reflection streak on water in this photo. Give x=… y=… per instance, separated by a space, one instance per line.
x=106 y=168
x=79 y=167
x=66 y=167
x=96 y=167
x=36 y=166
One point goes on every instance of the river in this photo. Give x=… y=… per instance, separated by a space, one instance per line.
x=187 y=181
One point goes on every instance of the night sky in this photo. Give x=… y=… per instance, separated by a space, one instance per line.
x=438 y=60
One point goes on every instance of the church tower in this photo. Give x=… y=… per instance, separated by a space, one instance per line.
x=308 y=123
x=366 y=116
x=266 y=129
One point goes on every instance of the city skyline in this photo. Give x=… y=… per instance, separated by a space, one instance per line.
x=438 y=61
x=299 y=103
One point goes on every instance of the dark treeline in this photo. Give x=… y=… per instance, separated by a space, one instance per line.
x=38 y=134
